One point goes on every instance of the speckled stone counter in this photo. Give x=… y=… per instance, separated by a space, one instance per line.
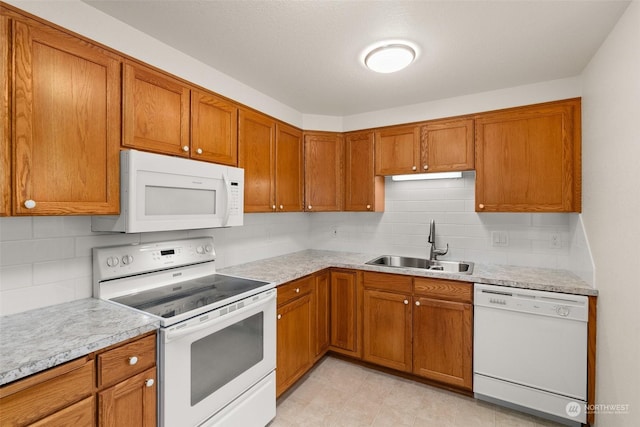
x=285 y=268
x=36 y=340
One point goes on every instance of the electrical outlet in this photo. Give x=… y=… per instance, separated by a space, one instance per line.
x=555 y=242
x=499 y=238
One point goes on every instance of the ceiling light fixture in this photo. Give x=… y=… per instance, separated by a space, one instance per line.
x=390 y=57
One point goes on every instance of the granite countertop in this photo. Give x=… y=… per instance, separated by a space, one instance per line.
x=282 y=269
x=36 y=340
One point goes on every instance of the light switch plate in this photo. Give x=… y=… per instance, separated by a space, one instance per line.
x=499 y=238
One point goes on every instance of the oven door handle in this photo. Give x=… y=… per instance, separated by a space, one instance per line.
x=173 y=334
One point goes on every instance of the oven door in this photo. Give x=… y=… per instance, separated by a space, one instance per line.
x=208 y=361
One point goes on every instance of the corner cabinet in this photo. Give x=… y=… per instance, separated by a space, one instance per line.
x=364 y=191
x=323 y=171
x=271 y=155
x=528 y=159
x=346 y=319
x=66 y=121
x=125 y=395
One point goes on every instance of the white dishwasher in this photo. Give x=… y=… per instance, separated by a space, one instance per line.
x=530 y=351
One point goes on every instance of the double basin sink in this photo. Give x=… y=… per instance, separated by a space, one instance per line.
x=459 y=267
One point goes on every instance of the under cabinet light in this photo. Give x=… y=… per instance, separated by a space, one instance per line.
x=439 y=175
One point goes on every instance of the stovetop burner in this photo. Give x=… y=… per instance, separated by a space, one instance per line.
x=182 y=297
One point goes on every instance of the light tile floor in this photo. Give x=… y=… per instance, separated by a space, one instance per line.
x=340 y=393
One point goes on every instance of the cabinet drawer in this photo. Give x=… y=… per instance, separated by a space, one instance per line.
x=387 y=282
x=40 y=395
x=443 y=289
x=293 y=290
x=79 y=414
x=119 y=363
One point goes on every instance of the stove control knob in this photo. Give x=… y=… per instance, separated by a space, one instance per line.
x=127 y=259
x=200 y=249
x=208 y=248
x=112 y=261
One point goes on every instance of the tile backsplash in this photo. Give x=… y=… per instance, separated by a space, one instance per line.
x=47 y=260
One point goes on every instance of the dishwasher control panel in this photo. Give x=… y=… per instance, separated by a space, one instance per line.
x=568 y=306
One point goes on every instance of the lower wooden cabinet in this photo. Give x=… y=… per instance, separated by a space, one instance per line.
x=68 y=394
x=345 y=313
x=322 y=310
x=295 y=348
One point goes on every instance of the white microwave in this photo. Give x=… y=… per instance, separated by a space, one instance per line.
x=161 y=193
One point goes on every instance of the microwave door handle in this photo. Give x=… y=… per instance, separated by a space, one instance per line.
x=227 y=192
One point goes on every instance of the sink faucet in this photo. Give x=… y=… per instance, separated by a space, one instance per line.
x=433 y=253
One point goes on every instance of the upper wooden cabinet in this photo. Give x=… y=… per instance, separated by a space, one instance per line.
x=66 y=123
x=364 y=191
x=528 y=159
x=164 y=115
x=214 y=129
x=323 y=171
x=271 y=155
x=5 y=123
x=447 y=145
x=397 y=150
x=156 y=111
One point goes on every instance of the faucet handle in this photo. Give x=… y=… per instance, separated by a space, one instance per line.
x=441 y=251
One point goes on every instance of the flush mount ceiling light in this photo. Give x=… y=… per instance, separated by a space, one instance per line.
x=389 y=57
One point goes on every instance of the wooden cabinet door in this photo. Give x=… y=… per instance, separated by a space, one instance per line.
x=130 y=403
x=345 y=323
x=364 y=191
x=442 y=344
x=79 y=414
x=447 y=146
x=289 y=175
x=5 y=134
x=214 y=129
x=387 y=329
x=323 y=172
x=66 y=123
x=397 y=150
x=156 y=111
x=322 y=309
x=528 y=159
x=294 y=347
x=256 y=151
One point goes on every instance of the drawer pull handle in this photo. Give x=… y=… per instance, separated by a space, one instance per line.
x=133 y=360
x=149 y=383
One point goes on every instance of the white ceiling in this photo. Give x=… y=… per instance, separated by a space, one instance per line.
x=306 y=54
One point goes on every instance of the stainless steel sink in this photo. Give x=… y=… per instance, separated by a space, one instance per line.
x=460 y=267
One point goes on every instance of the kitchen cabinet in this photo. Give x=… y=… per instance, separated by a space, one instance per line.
x=387 y=312
x=447 y=145
x=442 y=331
x=124 y=395
x=214 y=129
x=346 y=319
x=5 y=124
x=397 y=150
x=65 y=121
x=323 y=171
x=528 y=159
x=322 y=310
x=364 y=191
x=295 y=324
x=271 y=155
x=155 y=111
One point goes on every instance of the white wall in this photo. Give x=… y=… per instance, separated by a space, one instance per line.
x=611 y=206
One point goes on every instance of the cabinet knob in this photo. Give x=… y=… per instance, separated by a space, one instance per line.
x=309 y=207
x=417 y=302
x=281 y=207
x=30 y=204
x=368 y=207
x=185 y=148
x=425 y=167
x=480 y=206
x=279 y=316
x=297 y=290
x=406 y=302
x=133 y=360
x=273 y=207
x=199 y=151
x=149 y=383
x=414 y=168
